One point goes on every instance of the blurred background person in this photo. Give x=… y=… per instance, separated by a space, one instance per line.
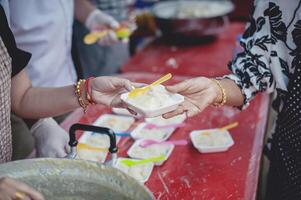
x=106 y=56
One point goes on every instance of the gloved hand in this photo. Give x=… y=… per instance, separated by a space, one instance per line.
x=51 y=139
x=99 y=21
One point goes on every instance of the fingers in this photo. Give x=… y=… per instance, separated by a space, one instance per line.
x=178 y=88
x=18 y=190
x=138 y=85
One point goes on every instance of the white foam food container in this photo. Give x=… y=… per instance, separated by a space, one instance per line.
x=140 y=132
x=160 y=121
x=211 y=140
x=149 y=112
x=125 y=112
x=115 y=122
x=151 y=151
x=140 y=172
x=93 y=140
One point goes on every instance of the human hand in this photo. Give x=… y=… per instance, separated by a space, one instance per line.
x=198 y=92
x=107 y=90
x=99 y=21
x=51 y=139
x=12 y=190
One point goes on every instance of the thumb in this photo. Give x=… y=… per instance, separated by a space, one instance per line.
x=178 y=88
x=121 y=83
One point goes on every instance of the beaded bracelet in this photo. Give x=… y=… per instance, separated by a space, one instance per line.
x=224 y=95
x=78 y=93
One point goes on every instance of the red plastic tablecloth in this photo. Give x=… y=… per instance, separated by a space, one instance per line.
x=206 y=59
x=187 y=174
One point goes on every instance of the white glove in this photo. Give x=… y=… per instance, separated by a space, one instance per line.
x=51 y=139
x=98 y=20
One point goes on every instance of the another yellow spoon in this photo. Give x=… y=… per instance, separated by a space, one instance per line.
x=140 y=162
x=229 y=126
x=225 y=128
x=93 y=37
x=138 y=91
x=82 y=146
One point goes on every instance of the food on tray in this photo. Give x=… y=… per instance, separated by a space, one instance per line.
x=212 y=138
x=154 y=98
x=155 y=150
x=139 y=172
x=98 y=140
x=91 y=155
x=196 y=9
x=93 y=140
x=115 y=122
x=153 y=134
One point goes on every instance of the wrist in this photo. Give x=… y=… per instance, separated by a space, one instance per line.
x=81 y=94
x=220 y=93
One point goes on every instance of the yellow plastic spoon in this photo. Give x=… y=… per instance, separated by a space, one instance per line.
x=93 y=37
x=137 y=91
x=140 y=162
x=82 y=146
x=224 y=128
x=229 y=126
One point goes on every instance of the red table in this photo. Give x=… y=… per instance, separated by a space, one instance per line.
x=207 y=59
x=187 y=174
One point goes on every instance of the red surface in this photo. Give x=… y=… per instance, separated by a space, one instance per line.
x=207 y=59
x=187 y=174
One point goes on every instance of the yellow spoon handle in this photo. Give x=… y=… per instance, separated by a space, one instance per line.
x=230 y=126
x=93 y=37
x=88 y=147
x=162 y=79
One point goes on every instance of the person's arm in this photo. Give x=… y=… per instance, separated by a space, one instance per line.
x=34 y=103
x=251 y=72
x=82 y=9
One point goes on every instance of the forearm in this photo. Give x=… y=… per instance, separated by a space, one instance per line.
x=82 y=9
x=46 y=102
x=34 y=103
x=233 y=93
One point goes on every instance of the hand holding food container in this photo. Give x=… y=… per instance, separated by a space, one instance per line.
x=152 y=100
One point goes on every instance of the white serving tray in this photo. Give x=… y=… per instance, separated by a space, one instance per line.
x=152 y=134
x=147 y=112
x=148 y=166
x=214 y=148
x=166 y=154
x=101 y=121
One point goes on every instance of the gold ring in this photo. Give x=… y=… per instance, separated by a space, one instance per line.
x=19 y=195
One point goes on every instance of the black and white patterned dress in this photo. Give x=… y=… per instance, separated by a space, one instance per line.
x=271 y=61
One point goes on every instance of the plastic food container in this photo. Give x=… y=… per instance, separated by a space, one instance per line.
x=93 y=140
x=151 y=151
x=115 y=122
x=211 y=140
x=123 y=111
x=140 y=132
x=140 y=172
x=170 y=103
x=160 y=121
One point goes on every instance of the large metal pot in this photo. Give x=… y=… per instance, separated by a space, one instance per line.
x=63 y=179
x=170 y=22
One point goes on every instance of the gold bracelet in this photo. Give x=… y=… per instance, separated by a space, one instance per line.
x=78 y=92
x=224 y=95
